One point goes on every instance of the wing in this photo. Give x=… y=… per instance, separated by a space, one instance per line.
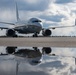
x=4 y=28
x=7 y=23
x=60 y=27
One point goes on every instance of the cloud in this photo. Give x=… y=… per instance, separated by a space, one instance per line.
x=54 y=18
x=38 y=5
x=34 y=5
x=58 y=66
x=64 y=1
x=7 y=15
x=6 y=4
x=64 y=51
x=31 y=2
x=7 y=67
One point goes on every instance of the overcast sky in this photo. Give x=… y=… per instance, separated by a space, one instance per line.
x=51 y=12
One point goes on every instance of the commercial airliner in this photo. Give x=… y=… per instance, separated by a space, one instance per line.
x=33 y=25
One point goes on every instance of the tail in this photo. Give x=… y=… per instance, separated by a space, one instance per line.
x=17 y=14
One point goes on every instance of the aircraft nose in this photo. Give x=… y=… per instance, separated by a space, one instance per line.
x=40 y=24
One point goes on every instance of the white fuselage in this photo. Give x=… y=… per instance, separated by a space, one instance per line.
x=31 y=26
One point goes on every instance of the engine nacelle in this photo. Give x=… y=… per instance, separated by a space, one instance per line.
x=46 y=50
x=10 y=32
x=10 y=50
x=46 y=32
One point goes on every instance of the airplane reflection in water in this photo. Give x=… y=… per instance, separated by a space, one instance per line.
x=32 y=56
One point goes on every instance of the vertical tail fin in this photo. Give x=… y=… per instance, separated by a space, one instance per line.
x=17 y=14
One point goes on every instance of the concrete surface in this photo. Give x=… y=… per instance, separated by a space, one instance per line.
x=39 y=41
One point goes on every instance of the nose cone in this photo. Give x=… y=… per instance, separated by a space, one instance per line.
x=36 y=21
x=35 y=61
x=41 y=24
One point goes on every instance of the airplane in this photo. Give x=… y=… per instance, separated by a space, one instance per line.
x=33 y=25
x=32 y=56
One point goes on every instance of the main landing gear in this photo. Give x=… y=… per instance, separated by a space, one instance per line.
x=35 y=34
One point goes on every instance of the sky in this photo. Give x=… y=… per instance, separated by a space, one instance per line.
x=51 y=12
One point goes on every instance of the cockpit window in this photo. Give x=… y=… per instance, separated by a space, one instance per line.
x=36 y=21
x=33 y=20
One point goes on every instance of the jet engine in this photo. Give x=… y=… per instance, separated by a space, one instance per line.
x=10 y=49
x=11 y=33
x=46 y=50
x=46 y=32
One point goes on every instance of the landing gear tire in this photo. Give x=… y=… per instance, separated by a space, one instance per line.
x=35 y=35
x=15 y=35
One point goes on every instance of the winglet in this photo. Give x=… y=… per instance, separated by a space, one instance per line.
x=17 y=14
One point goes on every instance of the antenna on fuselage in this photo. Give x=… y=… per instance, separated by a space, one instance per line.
x=17 y=14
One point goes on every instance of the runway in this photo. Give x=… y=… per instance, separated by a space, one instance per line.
x=39 y=41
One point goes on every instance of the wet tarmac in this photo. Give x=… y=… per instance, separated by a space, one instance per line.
x=37 y=61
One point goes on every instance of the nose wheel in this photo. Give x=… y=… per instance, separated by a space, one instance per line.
x=35 y=35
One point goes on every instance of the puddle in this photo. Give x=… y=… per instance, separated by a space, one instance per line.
x=37 y=61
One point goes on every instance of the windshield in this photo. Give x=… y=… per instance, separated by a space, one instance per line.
x=33 y=20
x=36 y=21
